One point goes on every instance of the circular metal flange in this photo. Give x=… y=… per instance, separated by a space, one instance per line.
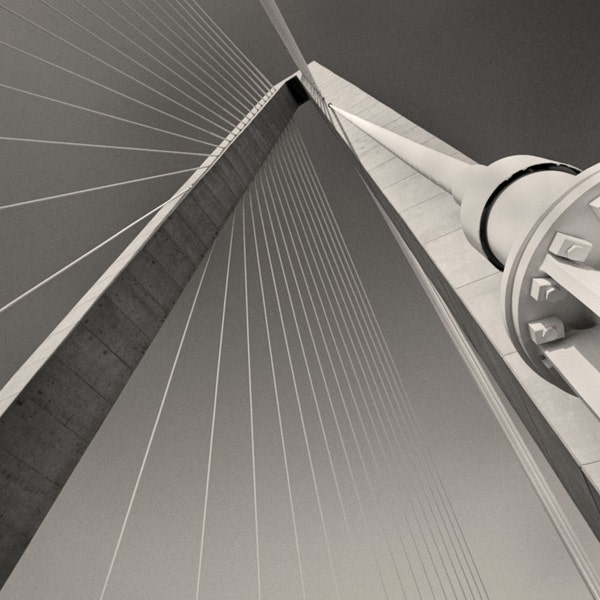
x=571 y=215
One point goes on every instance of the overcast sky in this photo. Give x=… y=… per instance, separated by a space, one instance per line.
x=491 y=78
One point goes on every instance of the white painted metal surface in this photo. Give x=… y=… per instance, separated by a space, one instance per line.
x=501 y=205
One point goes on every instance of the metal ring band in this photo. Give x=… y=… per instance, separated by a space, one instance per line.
x=485 y=215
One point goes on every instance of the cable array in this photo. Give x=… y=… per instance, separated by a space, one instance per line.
x=351 y=449
x=151 y=86
x=440 y=562
x=357 y=481
x=388 y=385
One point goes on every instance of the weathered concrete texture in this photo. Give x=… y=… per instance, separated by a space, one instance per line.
x=65 y=392
x=427 y=218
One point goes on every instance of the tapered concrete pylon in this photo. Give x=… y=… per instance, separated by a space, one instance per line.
x=499 y=202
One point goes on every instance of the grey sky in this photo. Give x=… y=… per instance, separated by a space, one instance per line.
x=489 y=78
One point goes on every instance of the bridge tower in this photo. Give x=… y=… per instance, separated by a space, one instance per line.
x=53 y=406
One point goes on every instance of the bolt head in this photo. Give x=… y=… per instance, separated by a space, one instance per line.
x=546 y=289
x=546 y=330
x=570 y=247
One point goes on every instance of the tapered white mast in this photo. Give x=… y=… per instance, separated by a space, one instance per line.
x=538 y=220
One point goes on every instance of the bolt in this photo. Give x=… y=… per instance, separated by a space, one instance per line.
x=571 y=247
x=544 y=288
x=546 y=330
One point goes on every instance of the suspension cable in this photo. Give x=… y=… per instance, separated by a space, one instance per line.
x=88 y=253
x=276 y=392
x=95 y=189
